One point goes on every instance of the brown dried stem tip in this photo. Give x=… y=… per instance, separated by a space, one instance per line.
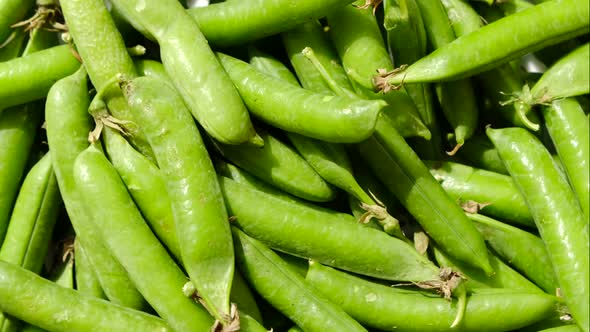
x=370 y=3
x=381 y=80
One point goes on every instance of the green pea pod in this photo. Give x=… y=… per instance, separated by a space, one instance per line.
x=557 y=214
x=14 y=47
x=497 y=193
x=481 y=153
x=302 y=111
x=504 y=276
x=68 y=124
x=11 y=12
x=569 y=130
x=238 y=22
x=193 y=68
x=330 y=237
x=22 y=290
x=17 y=131
x=271 y=66
x=243 y=297
x=130 y=240
x=286 y=290
x=400 y=169
x=464 y=19
x=568 y=77
x=530 y=30
x=457 y=98
x=280 y=166
x=391 y=309
x=82 y=18
x=147 y=187
x=199 y=213
x=86 y=280
x=513 y=6
x=146 y=67
x=521 y=250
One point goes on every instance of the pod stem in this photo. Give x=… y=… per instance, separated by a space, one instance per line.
x=99 y=111
x=524 y=101
x=383 y=77
x=46 y=16
x=337 y=89
x=368 y=4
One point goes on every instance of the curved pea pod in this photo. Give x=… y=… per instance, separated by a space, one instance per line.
x=406 y=176
x=299 y=110
x=147 y=187
x=287 y=291
x=497 y=193
x=193 y=68
x=68 y=124
x=22 y=290
x=234 y=23
x=327 y=236
x=86 y=279
x=569 y=132
x=557 y=214
x=521 y=250
x=392 y=309
x=279 y=165
x=130 y=240
x=197 y=204
x=17 y=132
x=568 y=77
x=504 y=276
x=530 y=30
x=481 y=153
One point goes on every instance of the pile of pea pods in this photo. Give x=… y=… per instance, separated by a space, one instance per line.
x=279 y=165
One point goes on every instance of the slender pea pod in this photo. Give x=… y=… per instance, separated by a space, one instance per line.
x=146 y=67
x=197 y=204
x=11 y=12
x=29 y=78
x=358 y=41
x=118 y=220
x=193 y=68
x=68 y=124
x=243 y=297
x=302 y=111
x=287 y=291
x=86 y=279
x=521 y=250
x=504 y=276
x=267 y=64
x=82 y=18
x=557 y=214
x=569 y=132
x=568 y=77
x=481 y=153
x=391 y=309
x=238 y=22
x=498 y=195
x=530 y=30
x=281 y=166
x=400 y=169
x=464 y=19
x=327 y=236
x=13 y=48
x=457 y=98
x=23 y=290
x=147 y=187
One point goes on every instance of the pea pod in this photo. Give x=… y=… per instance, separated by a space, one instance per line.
x=22 y=290
x=327 y=236
x=404 y=174
x=496 y=192
x=189 y=61
x=269 y=65
x=568 y=77
x=481 y=153
x=197 y=205
x=146 y=67
x=12 y=12
x=130 y=240
x=243 y=297
x=391 y=309
x=558 y=217
x=146 y=186
x=68 y=124
x=86 y=280
x=530 y=30
x=519 y=249
x=288 y=291
x=303 y=112
x=13 y=48
x=569 y=130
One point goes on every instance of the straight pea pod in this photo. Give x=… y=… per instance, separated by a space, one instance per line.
x=557 y=214
x=529 y=30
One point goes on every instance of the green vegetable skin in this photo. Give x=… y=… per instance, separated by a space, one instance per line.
x=197 y=204
x=291 y=108
x=11 y=12
x=287 y=291
x=558 y=217
x=86 y=280
x=512 y=36
x=35 y=300
x=391 y=309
